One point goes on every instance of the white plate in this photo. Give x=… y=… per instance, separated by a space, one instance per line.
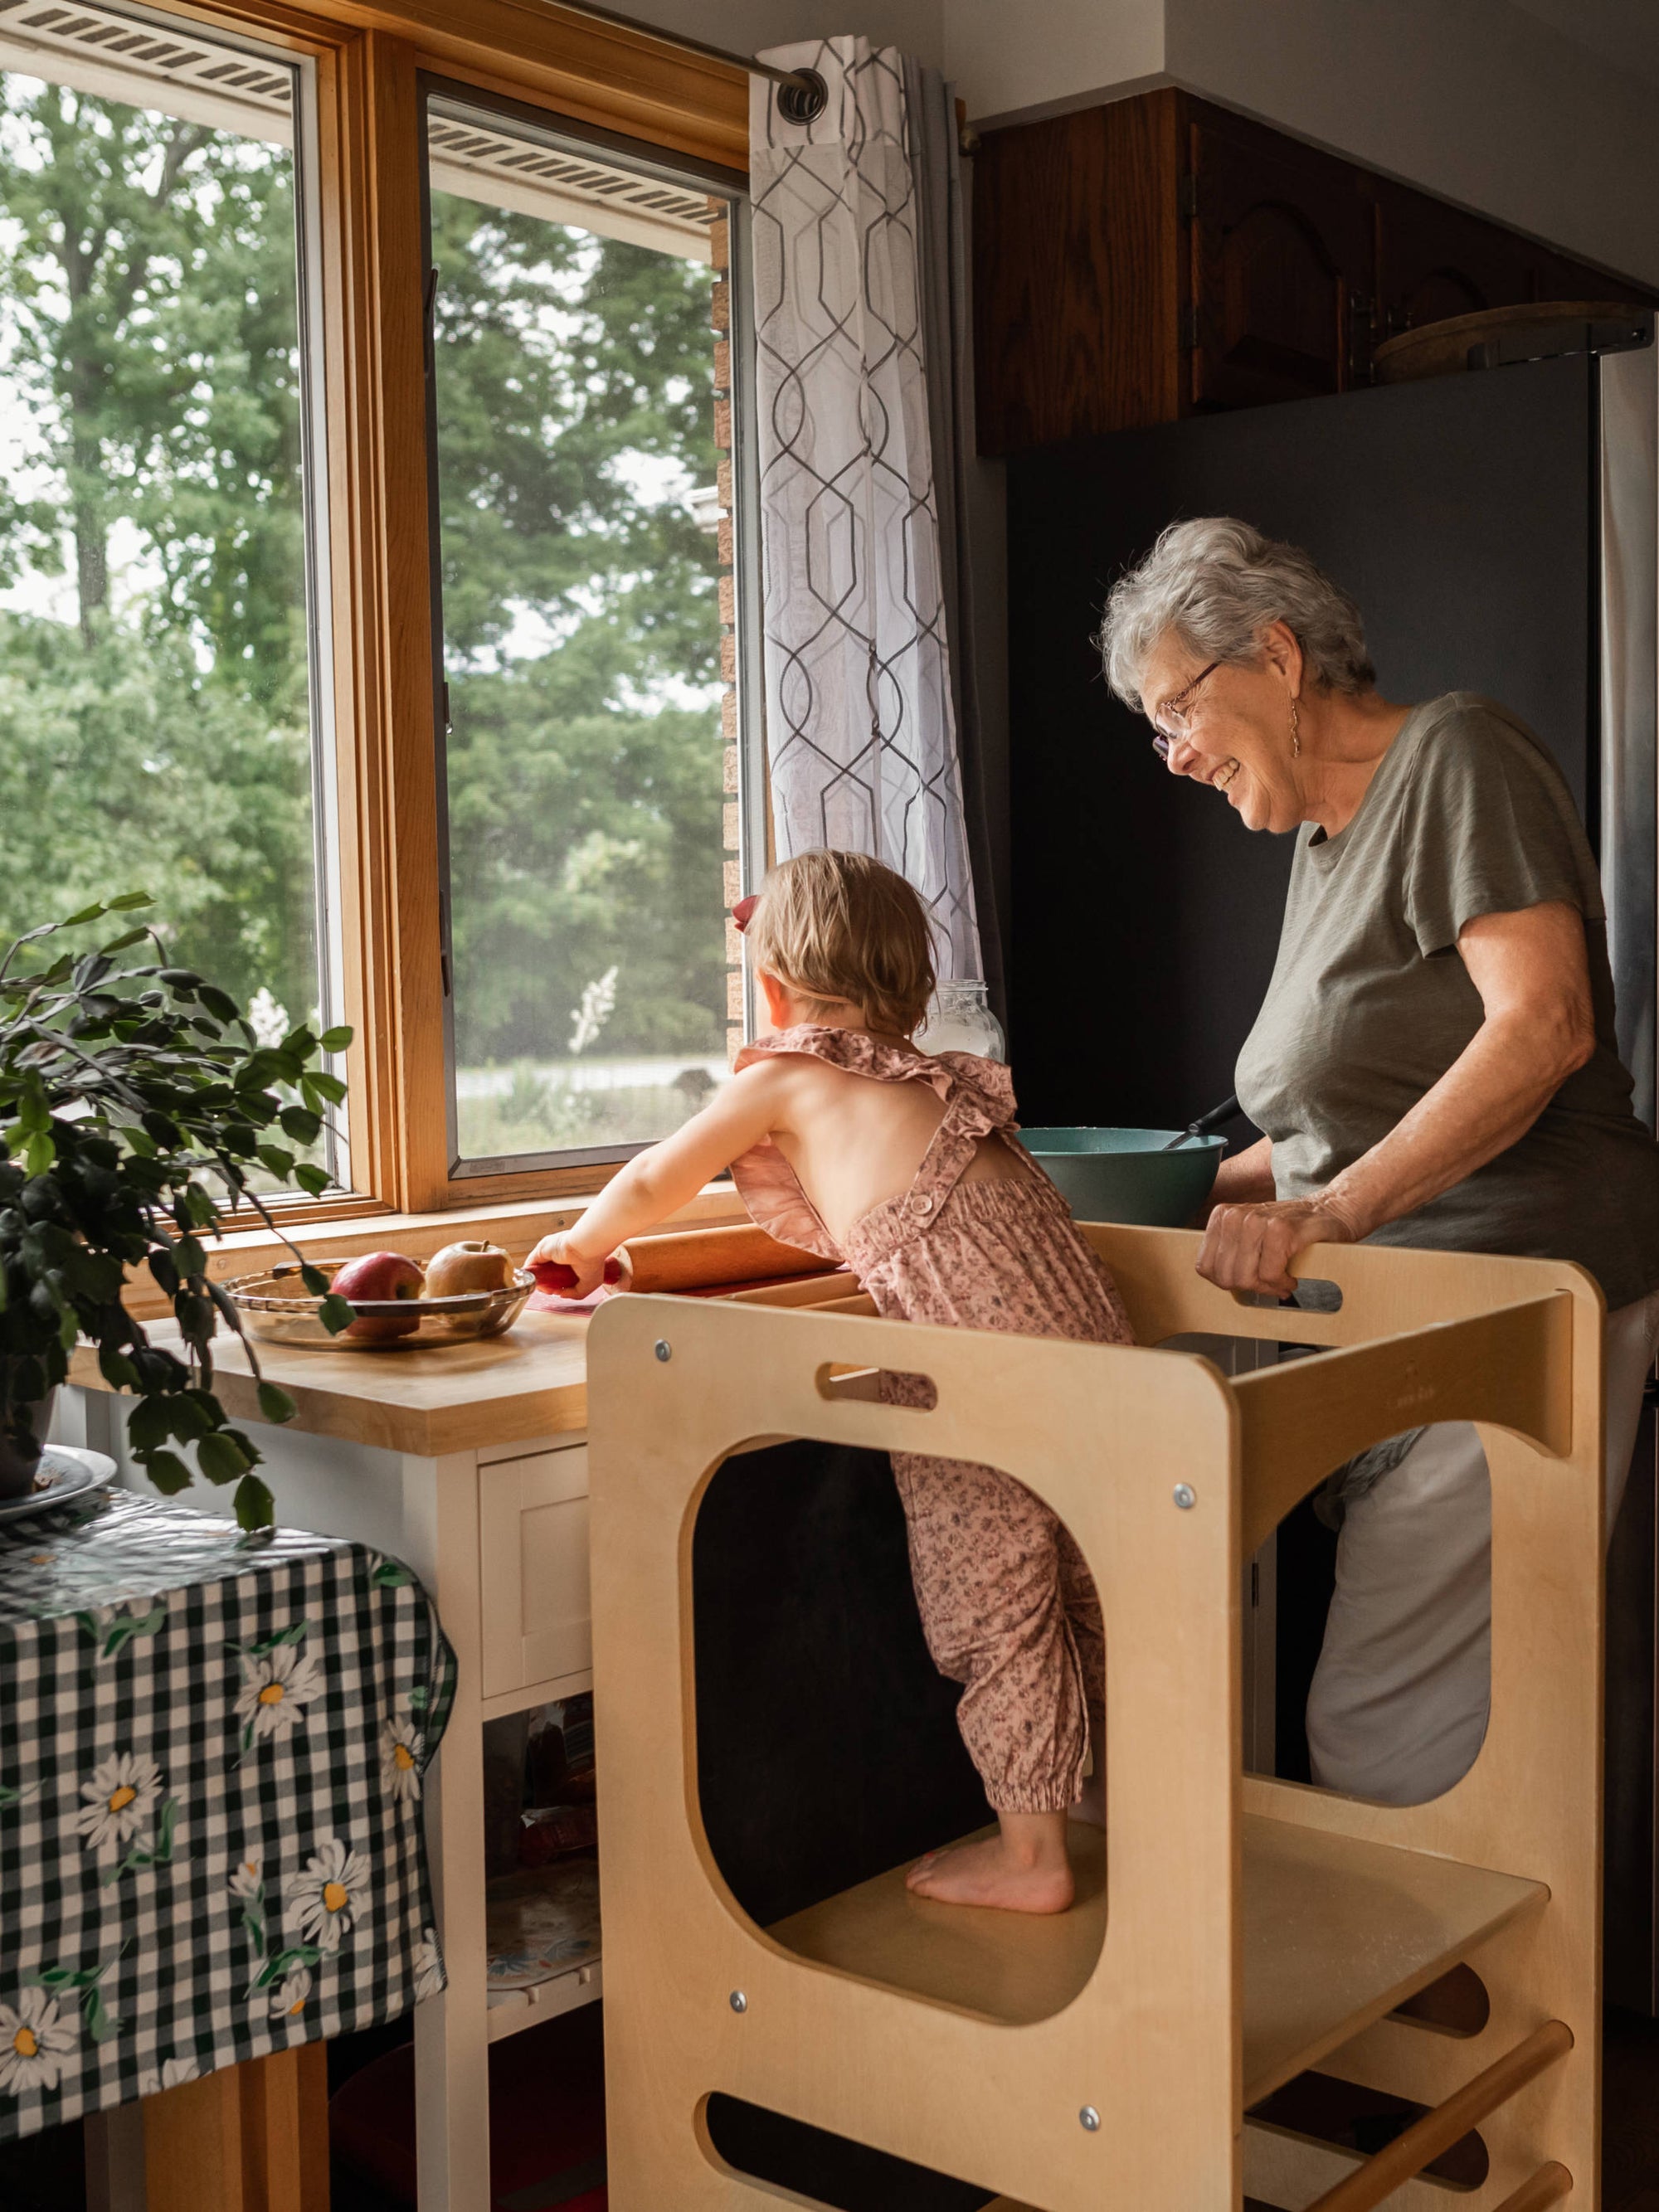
x=63 y=1474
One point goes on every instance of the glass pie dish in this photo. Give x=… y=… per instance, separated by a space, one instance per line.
x=277 y=1308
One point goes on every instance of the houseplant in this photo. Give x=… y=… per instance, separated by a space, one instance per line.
x=136 y=1103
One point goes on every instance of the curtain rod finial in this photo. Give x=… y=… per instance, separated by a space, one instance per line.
x=804 y=98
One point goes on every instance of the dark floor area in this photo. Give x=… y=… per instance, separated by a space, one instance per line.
x=350 y=2188
x=1630 y=2109
x=43 y=2173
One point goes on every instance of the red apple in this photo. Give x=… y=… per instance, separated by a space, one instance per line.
x=379 y=1275
x=468 y=1266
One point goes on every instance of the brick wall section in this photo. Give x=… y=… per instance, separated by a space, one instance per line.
x=720 y=244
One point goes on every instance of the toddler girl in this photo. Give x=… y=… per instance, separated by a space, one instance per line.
x=844 y=1139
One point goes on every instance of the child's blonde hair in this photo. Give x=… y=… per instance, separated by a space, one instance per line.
x=840 y=927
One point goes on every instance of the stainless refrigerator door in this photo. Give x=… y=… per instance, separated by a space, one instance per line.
x=1629 y=503
x=1629 y=655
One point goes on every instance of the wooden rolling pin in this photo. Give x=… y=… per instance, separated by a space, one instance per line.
x=699 y=1259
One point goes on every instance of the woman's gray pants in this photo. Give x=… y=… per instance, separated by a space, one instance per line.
x=1399 y=1702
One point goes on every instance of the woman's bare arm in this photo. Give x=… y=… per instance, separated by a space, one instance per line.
x=1245 y=1178
x=1532 y=970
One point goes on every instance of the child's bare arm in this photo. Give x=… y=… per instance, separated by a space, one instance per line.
x=658 y=1182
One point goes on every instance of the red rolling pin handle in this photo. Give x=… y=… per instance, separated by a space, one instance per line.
x=553 y=1276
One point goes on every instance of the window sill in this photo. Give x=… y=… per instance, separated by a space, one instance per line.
x=515 y=1226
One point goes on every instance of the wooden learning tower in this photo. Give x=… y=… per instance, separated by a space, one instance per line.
x=1237 y=1930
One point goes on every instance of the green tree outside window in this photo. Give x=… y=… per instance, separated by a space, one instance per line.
x=155 y=709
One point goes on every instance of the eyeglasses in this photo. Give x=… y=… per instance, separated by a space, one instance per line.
x=1174 y=724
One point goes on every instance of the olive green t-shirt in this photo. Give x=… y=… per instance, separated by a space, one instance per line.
x=1370 y=1003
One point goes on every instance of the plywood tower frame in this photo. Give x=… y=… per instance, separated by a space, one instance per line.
x=1251 y=1928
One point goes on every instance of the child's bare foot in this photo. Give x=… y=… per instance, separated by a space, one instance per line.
x=1022 y=1869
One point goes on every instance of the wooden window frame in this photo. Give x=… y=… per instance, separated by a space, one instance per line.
x=368 y=64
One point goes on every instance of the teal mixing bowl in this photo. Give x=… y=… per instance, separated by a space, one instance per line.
x=1125 y=1175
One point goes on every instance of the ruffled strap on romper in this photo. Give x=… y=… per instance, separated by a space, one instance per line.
x=978 y=1096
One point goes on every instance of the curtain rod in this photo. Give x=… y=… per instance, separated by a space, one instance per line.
x=802 y=94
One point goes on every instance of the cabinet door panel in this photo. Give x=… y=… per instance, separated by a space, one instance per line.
x=1281 y=301
x=1077 y=272
x=1435 y=261
x=1283 y=251
x=537 y=1621
x=557 y=1613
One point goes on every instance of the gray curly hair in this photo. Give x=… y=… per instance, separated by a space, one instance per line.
x=1217 y=583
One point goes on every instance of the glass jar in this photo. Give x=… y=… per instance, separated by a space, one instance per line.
x=960 y=1020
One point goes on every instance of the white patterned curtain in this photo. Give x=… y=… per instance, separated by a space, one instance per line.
x=860 y=723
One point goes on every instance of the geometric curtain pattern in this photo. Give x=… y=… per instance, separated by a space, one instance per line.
x=860 y=729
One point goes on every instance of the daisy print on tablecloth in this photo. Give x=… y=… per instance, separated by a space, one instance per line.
x=428 y=1963
x=403 y=1749
x=248 y=1886
x=288 y=2002
x=329 y=1895
x=171 y=2073
x=281 y=1980
x=278 y=1683
x=120 y=1796
x=34 y=2043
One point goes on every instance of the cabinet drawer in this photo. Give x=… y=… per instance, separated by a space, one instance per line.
x=537 y=1621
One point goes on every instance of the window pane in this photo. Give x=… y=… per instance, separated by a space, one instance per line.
x=578 y=520
x=155 y=716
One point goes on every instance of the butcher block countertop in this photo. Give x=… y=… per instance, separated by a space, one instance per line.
x=477 y=1395
x=495 y=1390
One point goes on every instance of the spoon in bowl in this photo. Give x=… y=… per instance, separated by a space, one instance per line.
x=1205 y=1125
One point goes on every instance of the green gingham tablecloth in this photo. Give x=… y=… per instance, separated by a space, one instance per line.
x=211 y=1752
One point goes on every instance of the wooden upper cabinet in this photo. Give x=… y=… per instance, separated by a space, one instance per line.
x=1079 y=284
x=1435 y=261
x=1159 y=256
x=1283 y=260
x=1555 y=277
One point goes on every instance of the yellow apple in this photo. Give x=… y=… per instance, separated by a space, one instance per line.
x=470 y=1267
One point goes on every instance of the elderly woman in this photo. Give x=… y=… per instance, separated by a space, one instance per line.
x=1434 y=1064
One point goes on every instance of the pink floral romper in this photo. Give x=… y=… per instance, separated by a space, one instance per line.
x=1007 y=1605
